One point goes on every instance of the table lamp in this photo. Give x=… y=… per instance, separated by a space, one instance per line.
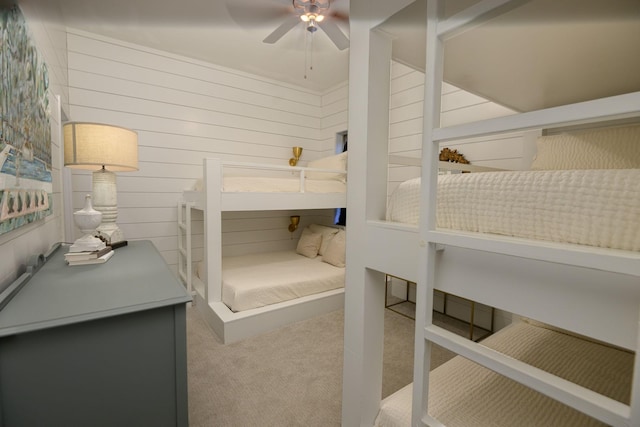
x=104 y=149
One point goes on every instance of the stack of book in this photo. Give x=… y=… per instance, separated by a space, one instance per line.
x=84 y=258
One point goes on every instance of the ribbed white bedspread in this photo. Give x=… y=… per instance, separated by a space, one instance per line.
x=588 y=207
x=462 y=393
x=255 y=280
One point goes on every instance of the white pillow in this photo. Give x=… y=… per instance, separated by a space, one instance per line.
x=327 y=235
x=337 y=162
x=309 y=243
x=336 y=250
x=609 y=148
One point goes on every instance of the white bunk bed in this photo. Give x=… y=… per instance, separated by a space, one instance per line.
x=595 y=208
x=590 y=291
x=253 y=187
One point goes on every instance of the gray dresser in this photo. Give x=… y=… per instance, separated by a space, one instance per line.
x=96 y=345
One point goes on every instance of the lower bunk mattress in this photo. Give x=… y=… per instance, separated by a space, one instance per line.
x=256 y=280
x=462 y=393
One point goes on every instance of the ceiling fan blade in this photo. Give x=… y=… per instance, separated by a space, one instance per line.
x=339 y=16
x=249 y=15
x=283 y=29
x=335 y=34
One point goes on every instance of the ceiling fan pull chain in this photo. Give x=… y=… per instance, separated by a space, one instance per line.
x=311 y=54
x=306 y=53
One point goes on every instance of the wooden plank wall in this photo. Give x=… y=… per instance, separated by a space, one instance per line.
x=405 y=136
x=185 y=110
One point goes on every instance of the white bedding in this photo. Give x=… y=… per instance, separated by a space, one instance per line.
x=281 y=185
x=255 y=280
x=589 y=207
x=462 y=393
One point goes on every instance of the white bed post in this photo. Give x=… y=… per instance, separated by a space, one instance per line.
x=427 y=251
x=364 y=289
x=213 y=231
x=369 y=80
x=634 y=403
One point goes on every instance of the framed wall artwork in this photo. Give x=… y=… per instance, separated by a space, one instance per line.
x=25 y=129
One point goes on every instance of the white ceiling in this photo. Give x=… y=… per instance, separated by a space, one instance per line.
x=223 y=32
x=577 y=35
x=542 y=54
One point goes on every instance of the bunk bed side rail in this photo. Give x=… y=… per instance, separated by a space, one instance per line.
x=449 y=166
x=587 y=301
x=225 y=165
x=599 y=110
x=395 y=260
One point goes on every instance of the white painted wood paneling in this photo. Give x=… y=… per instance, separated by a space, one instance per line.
x=458 y=106
x=334 y=116
x=185 y=110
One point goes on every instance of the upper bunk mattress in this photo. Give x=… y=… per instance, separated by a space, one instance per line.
x=281 y=185
x=462 y=393
x=255 y=280
x=588 y=207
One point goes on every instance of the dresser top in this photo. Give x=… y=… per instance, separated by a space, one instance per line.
x=135 y=278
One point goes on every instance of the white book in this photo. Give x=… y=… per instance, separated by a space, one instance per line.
x=78 y=256
x=101 y=260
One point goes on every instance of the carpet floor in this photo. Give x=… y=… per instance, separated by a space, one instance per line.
x=288 y=377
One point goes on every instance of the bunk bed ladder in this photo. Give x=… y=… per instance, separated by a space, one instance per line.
x=431 y=241
x=185 y=270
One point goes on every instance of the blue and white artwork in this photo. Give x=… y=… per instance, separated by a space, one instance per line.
x=25 y=129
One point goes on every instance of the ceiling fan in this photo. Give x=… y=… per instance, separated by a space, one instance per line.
x=313 y=14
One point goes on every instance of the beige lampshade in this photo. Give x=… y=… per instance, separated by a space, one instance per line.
x=93 y=145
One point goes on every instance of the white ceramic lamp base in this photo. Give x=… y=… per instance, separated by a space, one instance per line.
x=87 y=219
x=106 y=201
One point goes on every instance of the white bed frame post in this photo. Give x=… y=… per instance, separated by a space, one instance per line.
x=362 y=379
x=369 y=85
x=213 y=230
x=427 y=251
x=634 y=403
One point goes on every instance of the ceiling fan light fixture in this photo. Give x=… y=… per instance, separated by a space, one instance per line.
x=311 y=10
x=312 y=27
x=313 y=14
x=309 y=17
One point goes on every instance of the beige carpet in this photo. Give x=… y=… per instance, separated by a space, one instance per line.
x=288 y=377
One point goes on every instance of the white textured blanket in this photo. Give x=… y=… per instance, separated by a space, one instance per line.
x=588 y=207
x=462 y=393
x=256 y=280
